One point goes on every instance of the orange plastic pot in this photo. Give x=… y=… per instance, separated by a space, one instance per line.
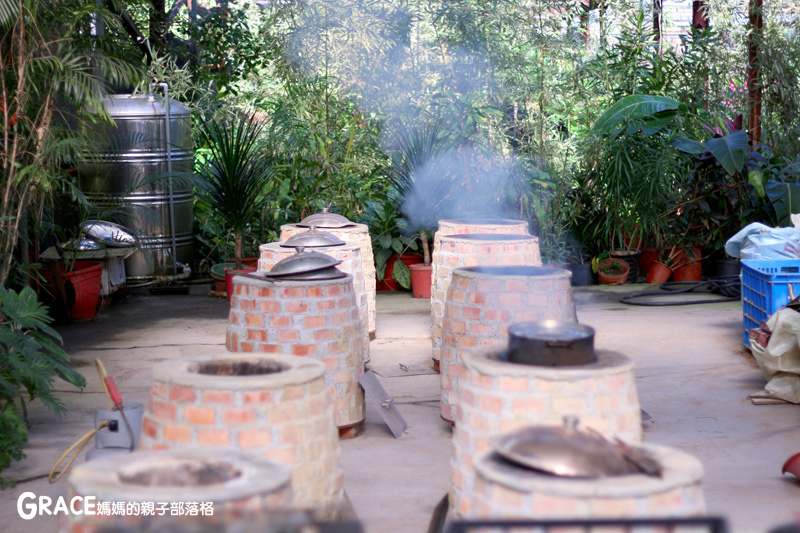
x=659 y=273
x=86 y=279
x=647 y=257
x=421 y=280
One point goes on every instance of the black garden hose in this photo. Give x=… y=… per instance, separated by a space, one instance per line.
x=730 y=288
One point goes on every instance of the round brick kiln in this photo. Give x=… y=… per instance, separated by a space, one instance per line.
x=497 y=397
x=465 y=226
x=350 y=257
x=482 y=301
x=203 y=488
x=505 y=491
x=477 y=249
x=276 y=405
x=314 y=318
x=354 y=234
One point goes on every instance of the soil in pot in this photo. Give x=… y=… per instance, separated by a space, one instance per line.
x=612 y=271
x=632 y=258
x=421 y=280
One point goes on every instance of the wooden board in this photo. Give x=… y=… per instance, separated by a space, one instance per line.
x=385 y=403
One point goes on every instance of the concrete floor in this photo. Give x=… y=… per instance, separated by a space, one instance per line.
x=693 y=378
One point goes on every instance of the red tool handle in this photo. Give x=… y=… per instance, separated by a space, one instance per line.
x=113 y=392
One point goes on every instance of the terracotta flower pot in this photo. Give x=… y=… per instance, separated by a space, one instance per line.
x=689 y=267
x=607 y=275
x=86 y=280
x=388 y=283
x=647 y=257
x=421 y=280
x=659 y=273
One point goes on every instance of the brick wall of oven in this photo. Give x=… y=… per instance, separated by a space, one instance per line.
x=313 y=318
x=506 y=492
x=350 y=257
x=498 y=397
x=465 y=251
x=482 y=303
x=259 y=489
x=466 y=226
x=354 y=234
x=286 y=416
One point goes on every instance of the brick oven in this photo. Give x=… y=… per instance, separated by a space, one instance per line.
x=465 y=226
x=349 y=232
x=350 y=257
x=315 y=318
x=178 y=489
x=506 y=491
x=482 y=301
x=276 y=405
x=497 y=397
x=477 y=249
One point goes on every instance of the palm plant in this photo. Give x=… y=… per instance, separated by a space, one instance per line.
x=421 y=175
x=235 y=175
x=46 y=68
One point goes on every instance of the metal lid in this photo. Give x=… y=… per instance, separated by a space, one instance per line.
x=302 y=262
x=324 y=219
x=556 y=330
x=108 y=233
x=565 y=451
x=312 y=239
x=82 y=245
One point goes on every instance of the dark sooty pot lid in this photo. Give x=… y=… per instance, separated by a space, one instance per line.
x=564 y=451
x=325 y=219
x=312 y=239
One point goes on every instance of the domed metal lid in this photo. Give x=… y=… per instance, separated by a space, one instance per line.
x=303 y=262
x=312 y=239
x=108 y=233
x=325 y=219
x=565 y=451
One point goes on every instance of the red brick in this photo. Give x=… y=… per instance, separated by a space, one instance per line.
x=159 y=389
x=326 y=305
x=213 y=437
x=458 y=327
x=254 y=319
x=270 y=307
x=471 y=313
x=238 y=415
x=149 y=427
x=281 y=321
x=296 y=307
x=333 y=291
x=165 y=411
x=324 y=334
x=292 y=292
x=265 y=292
x=314 y=292
x=287 y=335
x=181 y=393
x=247 y=347
x=247 y=305
x=510 y=300
x=479 y=329
x=467 y=341
x=200 y=416
x=492 y=404
x=177 y=433
x=499 y=315
x=304 y=349
x=314 y=321
x=340 y=318
x=254 y=438
x=258 y=397
x=537 y=300
x=488 y=285
x=256 y=335
x=217 y=396
x=269 y=348
x=478 y=298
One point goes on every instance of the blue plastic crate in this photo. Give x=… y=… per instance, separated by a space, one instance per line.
x=766 y=286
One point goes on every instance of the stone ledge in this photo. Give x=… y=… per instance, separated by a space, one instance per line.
x=488 y=361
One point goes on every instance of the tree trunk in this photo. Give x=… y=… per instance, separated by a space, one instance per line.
x=237 y=252
x=426 y=250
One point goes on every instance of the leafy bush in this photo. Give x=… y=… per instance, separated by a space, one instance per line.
x=31 y=359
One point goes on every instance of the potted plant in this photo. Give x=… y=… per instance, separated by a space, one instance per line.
x=611 y=271
x=390 y=246
x=421 y=180
x=631 y=168
x=234 y=175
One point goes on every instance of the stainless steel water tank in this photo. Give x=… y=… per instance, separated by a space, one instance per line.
x=130 y=151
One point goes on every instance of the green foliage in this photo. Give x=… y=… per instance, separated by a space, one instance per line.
x=31 y=360
x=234 y=173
